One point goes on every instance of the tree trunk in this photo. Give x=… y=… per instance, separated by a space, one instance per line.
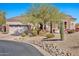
x=41 y=26
x=29 y=28
x=50 y=26
x=45 y=26
x=38 y=31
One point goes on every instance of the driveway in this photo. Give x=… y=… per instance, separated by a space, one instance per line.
x=11 y=48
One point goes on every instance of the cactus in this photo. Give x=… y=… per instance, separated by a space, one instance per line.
x=62 y=30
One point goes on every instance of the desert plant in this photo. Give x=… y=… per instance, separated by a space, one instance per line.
x=43 y=33
x=34 y=32
x=2 y=18
x=61 y=30
x=71 y=31
x=23 y=34
x=26 y=32
x=50 y=35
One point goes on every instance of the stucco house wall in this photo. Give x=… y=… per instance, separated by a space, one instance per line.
x=15 y=26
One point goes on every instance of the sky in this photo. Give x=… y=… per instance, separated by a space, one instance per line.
x=17 y=9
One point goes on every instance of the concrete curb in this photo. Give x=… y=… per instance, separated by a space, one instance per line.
x=39 y=49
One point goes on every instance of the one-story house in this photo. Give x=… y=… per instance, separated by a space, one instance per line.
x=13 y=26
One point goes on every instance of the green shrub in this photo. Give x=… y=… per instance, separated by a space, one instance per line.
x=71 y=31
x=23 y=34
x=34 y=32
x=50 y=35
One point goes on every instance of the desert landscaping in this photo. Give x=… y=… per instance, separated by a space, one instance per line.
x=46 y=27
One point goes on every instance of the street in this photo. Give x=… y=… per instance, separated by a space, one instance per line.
x=11 y=48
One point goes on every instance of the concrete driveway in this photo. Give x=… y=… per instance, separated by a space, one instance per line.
x=11 y=48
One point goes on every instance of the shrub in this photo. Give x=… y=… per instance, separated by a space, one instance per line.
x=50 y=35
x=23 y=34
x=34 y=32
x=42 y=33
x=26 y=32
x=71 y=31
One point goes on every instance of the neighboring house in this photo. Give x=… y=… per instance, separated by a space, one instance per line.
x=13 y=25
x=69 y=24
x=77 y=27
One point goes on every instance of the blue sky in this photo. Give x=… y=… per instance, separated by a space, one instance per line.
x=16 y=9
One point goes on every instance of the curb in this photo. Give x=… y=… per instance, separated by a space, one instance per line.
x=39 y=49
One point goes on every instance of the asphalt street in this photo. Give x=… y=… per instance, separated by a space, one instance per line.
x=11 y=48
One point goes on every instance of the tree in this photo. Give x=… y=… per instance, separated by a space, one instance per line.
x=57 y=17
x=2 y=18
x=45 y=13
x=44 y=10
x=42 y=13
x=53 y=17
x=38 y=15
